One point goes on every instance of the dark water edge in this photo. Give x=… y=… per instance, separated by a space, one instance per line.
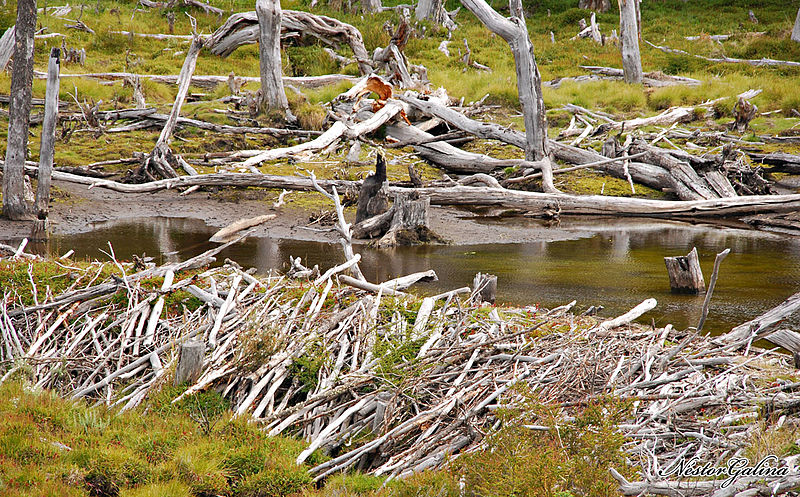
x=613 y=263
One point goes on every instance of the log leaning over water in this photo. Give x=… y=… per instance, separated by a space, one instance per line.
x=761 y=326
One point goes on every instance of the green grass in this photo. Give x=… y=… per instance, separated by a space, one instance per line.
x=71 y=449
x=665 y=22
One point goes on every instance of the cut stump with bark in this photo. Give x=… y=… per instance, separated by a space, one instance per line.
x=685 y=275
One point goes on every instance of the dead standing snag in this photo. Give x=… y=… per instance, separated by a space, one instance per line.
x=14 y=206
x=273 y=96
x=529 y=81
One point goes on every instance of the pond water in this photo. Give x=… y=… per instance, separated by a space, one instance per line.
x=613 y=263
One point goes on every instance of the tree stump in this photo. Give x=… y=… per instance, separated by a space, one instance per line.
x=743 y=112
x=409 y=222
x=190 y=362
x=484 y=288
x=685 y=275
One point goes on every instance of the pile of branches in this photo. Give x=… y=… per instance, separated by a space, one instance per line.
x=423 y=377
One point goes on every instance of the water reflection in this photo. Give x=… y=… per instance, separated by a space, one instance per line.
x=616 y=263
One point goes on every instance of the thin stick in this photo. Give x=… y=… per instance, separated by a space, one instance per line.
x=711 y=285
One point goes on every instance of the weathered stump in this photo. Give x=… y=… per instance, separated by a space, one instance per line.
x=409 y=222
x=484 y=288
x=743 y=112
x=190 y=362
x=685 y=275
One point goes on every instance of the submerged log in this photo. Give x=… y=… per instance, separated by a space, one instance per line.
x=685 y=275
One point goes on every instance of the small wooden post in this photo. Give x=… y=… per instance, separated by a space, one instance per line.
x=190 y=362
x=685 y=275
x=484 y=288
x=40 y=230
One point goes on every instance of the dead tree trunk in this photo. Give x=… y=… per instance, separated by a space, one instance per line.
x=371 y=6
x=529 y=81
x=242 y=28
x=269 y=21
x=796 y=30
x=629 y=40
x=409 y=222
x=432 y=10
x=685 y=275
x=162 y=160
x=596 y=5
x=40 y=228
x=7 y=46
x=19 y=111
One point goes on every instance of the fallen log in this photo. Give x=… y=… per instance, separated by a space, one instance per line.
x=481 y=196
x=208 y=81
x=654 y=79
x=242 y=28
x=159 y=118
x=338 y=130
x=454 y=159
x=666 y=173
x=762 y=325
x=783 y=162
x=728 y=60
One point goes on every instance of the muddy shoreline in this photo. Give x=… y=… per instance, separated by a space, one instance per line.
x=78 y=209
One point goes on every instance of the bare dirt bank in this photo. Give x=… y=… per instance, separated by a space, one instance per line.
x=77 y=209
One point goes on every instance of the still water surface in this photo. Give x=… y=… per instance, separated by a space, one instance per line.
x=614 y=263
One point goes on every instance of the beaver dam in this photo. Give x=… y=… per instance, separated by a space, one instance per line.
x=391 y=384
